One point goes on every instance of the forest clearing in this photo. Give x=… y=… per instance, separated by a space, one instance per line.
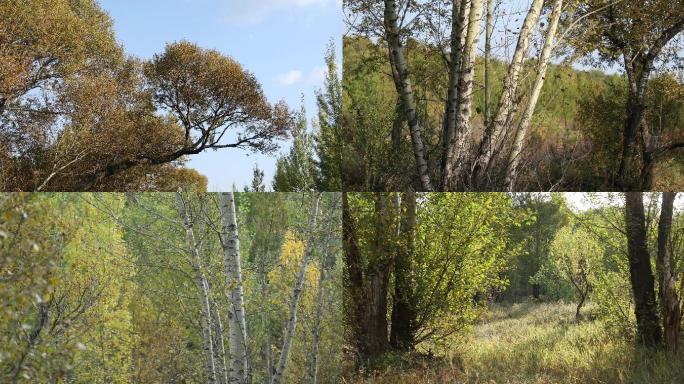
x=534 y=343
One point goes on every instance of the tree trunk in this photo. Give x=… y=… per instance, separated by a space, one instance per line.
x=489 y=27
x=324 y=267
x=402 y=332
x=637 y=81
x=669 y=301
x=376 y=284
x=403 y=85
x=263 y=282
x=494 y=132
x=459 y=149
x=353 y=281
x=297 y=293
x=514 y=157
x=237 y=336
x=203 y=287
x=458 y=17
x=580 y=304
x=219 y=345
x=641 y=276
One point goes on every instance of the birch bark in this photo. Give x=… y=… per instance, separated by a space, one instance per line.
x=203 y=286
x=403 y=85
x=297 y=293
x=237 y=329
x=514 y=156
x=458 y=20
x=459 y=150
x=494 y=132
x=219 y=345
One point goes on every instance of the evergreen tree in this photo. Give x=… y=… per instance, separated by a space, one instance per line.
x=296 y=171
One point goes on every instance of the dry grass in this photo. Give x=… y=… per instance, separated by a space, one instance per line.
x=535 y=344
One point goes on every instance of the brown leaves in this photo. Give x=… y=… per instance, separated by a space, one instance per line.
x=210 y=94
x=75 y=114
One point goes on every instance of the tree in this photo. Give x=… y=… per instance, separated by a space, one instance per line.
x=400 y=74
x=329 y=144
x=297 y=170
x=469 y=158
x=670 y=311
x=203 y=288
x=368 y=268
x=257 y=181
x=574 y=252
x=297 y=293
x=637 y=37
x=641 y=276
x=404 y=316
x=77 y=114
x=239 y=364
x=439 y=255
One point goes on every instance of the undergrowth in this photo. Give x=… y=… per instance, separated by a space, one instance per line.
x=531 y=343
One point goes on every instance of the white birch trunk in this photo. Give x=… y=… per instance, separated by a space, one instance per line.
x=237 y=329
x=219 y=345
x=403 y=84
x=325 y=266
x=487 y=61
x=458 y=31
x=297 y=293
x=494 y=132
x=203 y=287
x=514 y=157
x=460 y=148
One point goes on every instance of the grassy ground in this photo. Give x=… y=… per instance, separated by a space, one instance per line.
x=535 y=344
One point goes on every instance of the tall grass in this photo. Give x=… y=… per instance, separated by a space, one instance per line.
x=534 y=343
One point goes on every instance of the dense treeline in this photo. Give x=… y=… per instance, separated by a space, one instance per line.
x=172 y=288
x=422 y=93
x=426 y=274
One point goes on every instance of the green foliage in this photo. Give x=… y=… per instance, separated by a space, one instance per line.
x=76 y=322
x=100 y=288
x=461 y=246
x=547 y=214
x=329 y=141
x=461 y=254
x=297 y=170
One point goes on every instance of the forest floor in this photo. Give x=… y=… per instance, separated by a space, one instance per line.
x=533 y=343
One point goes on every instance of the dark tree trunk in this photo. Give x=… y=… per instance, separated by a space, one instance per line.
x=402 y=332
x=669 y=300
x=641 y=275
x=367 y=286
x=377 y=283
x=353 y=282
x=629 y=170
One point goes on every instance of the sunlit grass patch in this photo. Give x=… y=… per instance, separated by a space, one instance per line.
x=532 y=343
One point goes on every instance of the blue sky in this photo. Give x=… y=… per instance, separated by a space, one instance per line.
x=281 y=41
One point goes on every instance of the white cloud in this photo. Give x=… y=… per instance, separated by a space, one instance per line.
x=289 y=78
x=295 y=76
x=317 y=75
x=254 y=11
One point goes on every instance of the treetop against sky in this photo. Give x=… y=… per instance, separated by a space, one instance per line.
x=282 y=42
